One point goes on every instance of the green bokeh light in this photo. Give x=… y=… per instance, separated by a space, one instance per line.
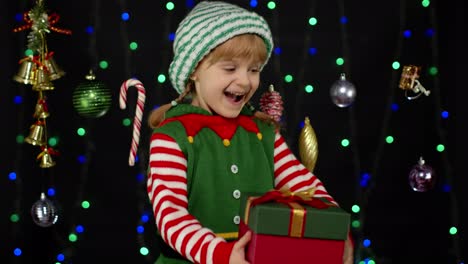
x=126 y=122
x=133 y=46
x=309 y=88
x=440 y=147
x=355 y=208
x=144 y=251
x=356 y=224
x=28 y=52
x=19 y=139
x=72 y=237
x=389 y=139
x=313 y=21
x=81 y=131
x=53 y=141
x=170 y=6
x=425 y=3
x=288 y=78
x=339 y=61
x=453 y=230
x=271 y=5
x=14 y=218
x=396 y=65
x=161 y=78
x=345 y=142
x=433 y=70
x=85 y=204
x=103 y=64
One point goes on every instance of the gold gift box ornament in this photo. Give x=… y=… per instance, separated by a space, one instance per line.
x=409 y=82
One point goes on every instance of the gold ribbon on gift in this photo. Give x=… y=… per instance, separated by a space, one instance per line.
x=293 y=200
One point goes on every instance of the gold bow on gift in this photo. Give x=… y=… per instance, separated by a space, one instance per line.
x=294 y=200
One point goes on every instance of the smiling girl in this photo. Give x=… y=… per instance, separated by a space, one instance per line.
x=205 y=154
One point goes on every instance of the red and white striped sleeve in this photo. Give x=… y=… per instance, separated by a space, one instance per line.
x=290 y=172
x=167 y=190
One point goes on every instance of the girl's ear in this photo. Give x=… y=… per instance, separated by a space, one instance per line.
x=193 y=77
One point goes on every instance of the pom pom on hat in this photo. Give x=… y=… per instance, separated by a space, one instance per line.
x=207 y=26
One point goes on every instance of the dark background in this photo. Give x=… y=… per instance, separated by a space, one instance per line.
x=404 y=226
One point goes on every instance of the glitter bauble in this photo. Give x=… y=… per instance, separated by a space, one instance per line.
x=92 y=99
x=271 y=103
x=421 y=177
x=342 y=92
x=43 y=212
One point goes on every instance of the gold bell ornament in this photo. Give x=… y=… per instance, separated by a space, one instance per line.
x=42 y=80
x=37 y=134
x=409 y=82
x=55 y=72
x=308 y=146
x=45 y=158
x=27 y=71
x=41 y=110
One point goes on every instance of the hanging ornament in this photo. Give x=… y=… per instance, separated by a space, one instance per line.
x=271 y=103
x=342 y=92
x=27 y=71
x=37 y=134
x=45 y=157
x=54 y=71
x=44 y=213
x=409 y=82
x=92 y=99
x=308 y=147
x=421 y=177
x=41 y=110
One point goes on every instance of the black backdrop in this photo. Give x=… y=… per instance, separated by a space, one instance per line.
x=404 y=226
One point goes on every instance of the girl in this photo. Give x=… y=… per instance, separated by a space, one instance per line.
x=205 y=154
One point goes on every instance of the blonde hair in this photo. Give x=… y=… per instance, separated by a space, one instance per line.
x=248 y=46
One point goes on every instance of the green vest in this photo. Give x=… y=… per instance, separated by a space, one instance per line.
x=217 y=175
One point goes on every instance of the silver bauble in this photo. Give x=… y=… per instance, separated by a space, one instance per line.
x=43 y=212
x=342 y=92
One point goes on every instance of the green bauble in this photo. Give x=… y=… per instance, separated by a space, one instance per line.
x=92 y=99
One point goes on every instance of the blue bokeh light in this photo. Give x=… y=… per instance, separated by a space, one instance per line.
x=312 y=51
x=79 y=229
x=12 y=176
x=18 y=99
x=51 y=191
x=277 y=51
x=343 y=20
x=90 y=30
x=125 y=16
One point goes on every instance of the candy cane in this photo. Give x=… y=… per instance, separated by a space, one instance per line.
x=138 y=113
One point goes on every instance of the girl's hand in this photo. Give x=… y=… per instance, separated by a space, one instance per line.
x=348 y=252
x=238 y=251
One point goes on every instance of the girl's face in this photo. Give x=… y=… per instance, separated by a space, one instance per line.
x=227 y=78
x=224 y=87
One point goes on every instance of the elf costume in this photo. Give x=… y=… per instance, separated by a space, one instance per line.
x=201 y=164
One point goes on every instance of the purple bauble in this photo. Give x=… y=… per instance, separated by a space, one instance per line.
x=421 y=177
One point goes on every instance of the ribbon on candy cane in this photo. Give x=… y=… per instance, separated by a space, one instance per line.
x=138 y=113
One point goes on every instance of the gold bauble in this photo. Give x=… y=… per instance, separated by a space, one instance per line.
x=308 y=147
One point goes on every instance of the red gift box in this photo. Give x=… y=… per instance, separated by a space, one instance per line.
x=292 y=227
x=270 y=249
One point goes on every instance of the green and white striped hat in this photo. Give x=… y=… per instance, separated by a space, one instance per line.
x=207 y=26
